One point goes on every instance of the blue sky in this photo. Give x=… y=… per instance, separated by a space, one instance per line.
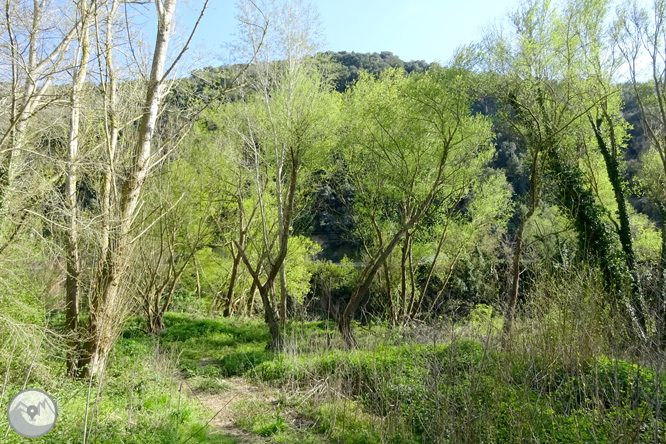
x=427 y=30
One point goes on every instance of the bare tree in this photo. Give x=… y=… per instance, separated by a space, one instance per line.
x=102 y=326
x=640 y=35
x=79 y=73
x=38 y=36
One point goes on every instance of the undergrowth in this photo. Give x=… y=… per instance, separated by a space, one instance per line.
x=138 y=400
x=451 y=383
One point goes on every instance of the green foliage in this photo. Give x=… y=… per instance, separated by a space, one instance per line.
x=299 y=266
x=348 y=67
x=336 y=276
x=647 y=240
x=594 y=233
x=482 y=320
x=652 y=177
x=555 y=385
x=259 y=418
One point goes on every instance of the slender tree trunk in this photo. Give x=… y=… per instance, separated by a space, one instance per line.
x=271 y=319
x=389 y=296
x=424 y=291
x=266 y=290
x=536 y=173
x=250 y=300
x=231 y=291
x=283 y=294
x=166 y=302
x=662 y=277
x=103 y=316
x=412 y=281
x=6 y=159
x=72 y=248
x=510 y=315
x=387 y=276
x=242 y=230
x=403 y=278
x=345 y=330
x=111 y=129
x=363 y=285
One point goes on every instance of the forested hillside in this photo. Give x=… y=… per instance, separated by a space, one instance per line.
x=314 y=246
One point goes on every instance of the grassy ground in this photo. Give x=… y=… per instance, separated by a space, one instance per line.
x=141 y=399
x=422 y=385
x=213 y=381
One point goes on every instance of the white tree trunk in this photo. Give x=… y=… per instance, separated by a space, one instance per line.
x=72 y=249
x=104 y=312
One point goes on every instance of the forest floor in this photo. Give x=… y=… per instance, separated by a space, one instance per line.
x=226 y=369
x=420 y=385
x=217 y=405
x=211 y=380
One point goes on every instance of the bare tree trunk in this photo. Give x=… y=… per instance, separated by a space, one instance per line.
x=389 y=296
x=404 y=263
x=5 y=161
x=198 y=280
x=242 y=230
x=283 y=294
x=271 y=319
x=250 y=301
x=412 y=281
x=231 y=290
x=101 y=335
x=157 y=325
x=72 y=249
x=363 y=285
x=111 y=128
x=661 y=281
x=510 y=313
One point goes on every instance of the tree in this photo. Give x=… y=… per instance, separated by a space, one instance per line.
x=538 y=74
x=639 y=34
x=80 y=71
x=34 y=53
x=180 y=202
x=105 y=301
x=412 y=143
x=288 y=128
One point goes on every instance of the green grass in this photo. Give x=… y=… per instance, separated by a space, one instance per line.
x=226 y=347
x=463 y=391
x=140 y=401
x=398 y=387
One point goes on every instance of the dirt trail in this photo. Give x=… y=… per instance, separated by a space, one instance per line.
x=219 y=404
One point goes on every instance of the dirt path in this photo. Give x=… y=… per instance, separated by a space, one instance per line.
x=218 y=404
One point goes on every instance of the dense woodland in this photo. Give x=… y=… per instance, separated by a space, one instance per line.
x=469 y=251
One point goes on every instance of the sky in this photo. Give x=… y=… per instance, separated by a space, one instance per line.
x=427 y=30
